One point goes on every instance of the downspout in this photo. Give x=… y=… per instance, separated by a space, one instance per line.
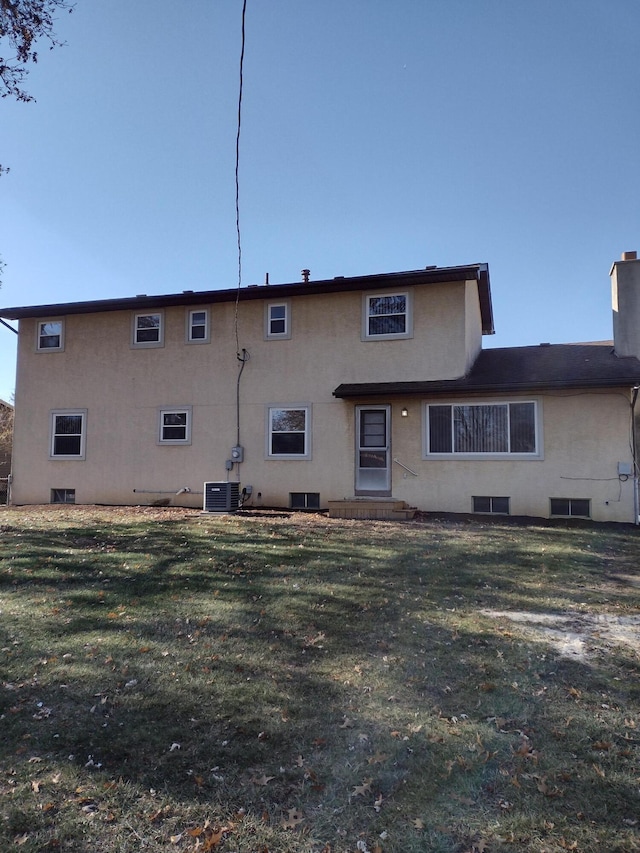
x=634 y=454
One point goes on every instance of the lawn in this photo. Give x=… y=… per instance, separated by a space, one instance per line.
x=271 y=682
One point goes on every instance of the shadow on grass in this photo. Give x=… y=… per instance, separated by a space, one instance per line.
x=198 y=659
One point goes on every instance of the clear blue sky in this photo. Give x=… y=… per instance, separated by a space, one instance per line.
x=377 y=135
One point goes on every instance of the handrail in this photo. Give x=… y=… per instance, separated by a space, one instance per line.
x=402 y=465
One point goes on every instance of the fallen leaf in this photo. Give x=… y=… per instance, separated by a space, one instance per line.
x=418 y=823
x=262 y=780
x=293 y=818
x=362 y=789
x=378 y=802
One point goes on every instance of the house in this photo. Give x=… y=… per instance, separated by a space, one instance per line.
x=6 y=430
x=367 y=395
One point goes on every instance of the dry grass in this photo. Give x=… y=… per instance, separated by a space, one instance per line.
x=285 y=682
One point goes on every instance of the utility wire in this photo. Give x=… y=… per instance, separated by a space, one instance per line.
x=244 y=12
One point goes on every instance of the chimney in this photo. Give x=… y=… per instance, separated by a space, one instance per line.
x=625 y=297
x=305 y=276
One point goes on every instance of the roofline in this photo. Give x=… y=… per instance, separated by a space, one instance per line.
x=451 y=387
x=429 y=275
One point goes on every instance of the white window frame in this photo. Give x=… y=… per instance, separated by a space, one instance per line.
x=54 y=415
x=536 y=454
x=60 y=335
x=367 y=315
x=268 y=320
x=174 y=410
x=135 y=329
x=191 y=325
x=276 y=407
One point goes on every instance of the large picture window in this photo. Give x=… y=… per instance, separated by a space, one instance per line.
x=486 y=428
x=68 y=434
x=387 y=315
x=288 y=432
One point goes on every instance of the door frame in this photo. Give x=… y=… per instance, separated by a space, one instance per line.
x=382 y=492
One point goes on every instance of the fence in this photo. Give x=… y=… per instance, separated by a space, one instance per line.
x=4 y=491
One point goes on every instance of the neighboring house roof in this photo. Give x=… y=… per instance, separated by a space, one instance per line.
x=539 y=368
x=339 y=284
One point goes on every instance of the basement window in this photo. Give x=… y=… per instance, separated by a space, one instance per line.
x=63 y=496
x=487 y=505
x=570 y=507
x=304 y=500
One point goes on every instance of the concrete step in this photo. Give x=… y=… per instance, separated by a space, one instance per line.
x=383 y=509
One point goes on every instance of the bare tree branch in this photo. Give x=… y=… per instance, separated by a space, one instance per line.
x=22 y=23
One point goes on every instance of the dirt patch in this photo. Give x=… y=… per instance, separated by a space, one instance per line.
x=576 y=635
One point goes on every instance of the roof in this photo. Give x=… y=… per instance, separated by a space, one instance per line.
x=545 y=367
x=340 y=284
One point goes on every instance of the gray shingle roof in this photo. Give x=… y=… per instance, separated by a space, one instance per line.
x=538 y=368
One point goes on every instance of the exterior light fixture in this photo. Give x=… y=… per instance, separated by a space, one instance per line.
x=404 y=412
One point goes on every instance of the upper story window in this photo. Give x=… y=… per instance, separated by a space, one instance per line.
x=68 y=428
x=289 y=432
x=198 y=326
x=50 y=335
x=148 y=330
x=175 y=426
x=387 y=316
x=278 y=320
x=485 y=429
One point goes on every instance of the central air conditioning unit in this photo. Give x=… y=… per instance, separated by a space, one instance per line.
x=221 y=497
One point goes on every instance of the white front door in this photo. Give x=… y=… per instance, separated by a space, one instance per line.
x=373 y=450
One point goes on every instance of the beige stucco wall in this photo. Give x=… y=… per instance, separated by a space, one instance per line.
x=122 y=389
x=583 y=437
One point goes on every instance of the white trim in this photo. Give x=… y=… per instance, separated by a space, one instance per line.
x=174 y=410
x=366 y=316
x=536 y=455
x=277 y=336
x=207 y=326
x=135 y=343
x=56 y=413
x=307 y=408
x=60 y=334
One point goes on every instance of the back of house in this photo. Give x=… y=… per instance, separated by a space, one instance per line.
x=370 y=396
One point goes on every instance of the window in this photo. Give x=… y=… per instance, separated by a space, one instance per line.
x=304 y=500
x=68 y=434
x=50 y=335
x=147 y=330
x=277 y=320
x=198 y=326
x=288 y=432
x=175 y=426
x=63 y=496
x=570 y=507
x=487 y=428
x=387 y=316
x=491 y=505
